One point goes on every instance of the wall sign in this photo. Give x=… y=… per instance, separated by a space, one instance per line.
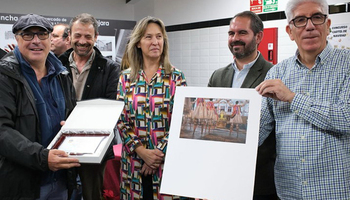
x=339 y=36
x=111 y=40
x=260 y=6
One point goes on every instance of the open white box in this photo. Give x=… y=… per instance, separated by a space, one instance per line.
x=88 y=131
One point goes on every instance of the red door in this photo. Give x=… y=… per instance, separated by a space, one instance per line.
x=268 y=46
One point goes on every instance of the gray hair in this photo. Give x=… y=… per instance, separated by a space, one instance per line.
x=85 y=18
x=292 y=4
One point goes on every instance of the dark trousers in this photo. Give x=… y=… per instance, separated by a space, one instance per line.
x=147 y=187
x=91 y=176
x=265 y=197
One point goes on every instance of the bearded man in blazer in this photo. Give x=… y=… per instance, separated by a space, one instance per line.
x=248 y=70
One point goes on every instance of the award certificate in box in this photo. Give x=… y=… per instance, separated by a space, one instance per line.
x=89 y=130
x=213 y=141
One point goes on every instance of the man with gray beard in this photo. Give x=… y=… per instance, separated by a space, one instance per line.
x=248 y=70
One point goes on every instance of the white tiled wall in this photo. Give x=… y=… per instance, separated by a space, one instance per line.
x=199 y=52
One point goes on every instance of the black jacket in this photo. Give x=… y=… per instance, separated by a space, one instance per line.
x=102 y=81
x=2 y=53
x=22 y=157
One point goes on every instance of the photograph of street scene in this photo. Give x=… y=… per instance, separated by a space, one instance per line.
x=213 y=119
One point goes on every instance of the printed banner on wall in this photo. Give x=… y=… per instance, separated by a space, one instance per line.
x=260 y=6
x=339 y=36
x=111 y=41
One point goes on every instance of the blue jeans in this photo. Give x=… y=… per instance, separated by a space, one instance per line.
x=56 y=190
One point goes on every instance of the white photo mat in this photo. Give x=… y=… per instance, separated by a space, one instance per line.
x=211 y=169
x=81 y=144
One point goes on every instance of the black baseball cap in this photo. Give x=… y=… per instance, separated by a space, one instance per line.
x=31 y=20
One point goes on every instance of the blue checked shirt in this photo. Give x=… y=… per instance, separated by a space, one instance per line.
x=312 y=132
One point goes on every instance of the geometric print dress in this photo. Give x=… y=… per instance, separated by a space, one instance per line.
x=145 y=121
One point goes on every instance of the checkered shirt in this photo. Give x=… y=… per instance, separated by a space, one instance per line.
x=312 y=132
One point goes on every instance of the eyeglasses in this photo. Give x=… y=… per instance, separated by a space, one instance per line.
x=316 y=19
x=28 y=36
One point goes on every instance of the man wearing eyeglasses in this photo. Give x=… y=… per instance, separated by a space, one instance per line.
x=36 y=94
x=306 y=99
x=60 y=39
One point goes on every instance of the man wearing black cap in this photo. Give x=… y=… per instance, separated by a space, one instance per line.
x=36 y=95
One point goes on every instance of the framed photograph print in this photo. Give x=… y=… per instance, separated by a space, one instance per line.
x=213 y=142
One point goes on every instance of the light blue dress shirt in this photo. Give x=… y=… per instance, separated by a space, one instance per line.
x=312 y=132
x=240 y=75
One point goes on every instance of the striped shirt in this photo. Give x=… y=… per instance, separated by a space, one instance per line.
x=312 y=132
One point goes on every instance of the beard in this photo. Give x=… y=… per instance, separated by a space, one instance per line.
x=246 y=51
x=87 y=49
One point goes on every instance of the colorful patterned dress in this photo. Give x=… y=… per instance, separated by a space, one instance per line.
x=200 y=111
x=145 y=121
x=237 y=119
x=212 y=115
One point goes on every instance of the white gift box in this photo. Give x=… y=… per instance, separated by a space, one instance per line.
x=89 y=130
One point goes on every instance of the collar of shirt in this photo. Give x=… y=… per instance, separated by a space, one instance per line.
x=240 y=75
x=159 y=73
x=87 y=65
x=319 y=58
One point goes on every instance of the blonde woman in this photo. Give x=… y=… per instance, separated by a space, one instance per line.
x=147 y=87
